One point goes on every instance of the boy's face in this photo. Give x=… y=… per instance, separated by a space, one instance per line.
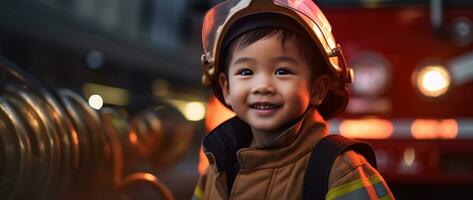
x=268 y=86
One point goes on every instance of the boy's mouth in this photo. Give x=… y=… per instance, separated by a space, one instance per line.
x=264 y=106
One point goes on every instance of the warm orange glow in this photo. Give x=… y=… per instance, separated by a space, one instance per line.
x=424 y=129
x=75 y=138
x=203 y=162
x=133 y=137
x=367 y=128
x=216 y=114
x=432 y=128
x=76 y=149
x=449 y=129
x=433 y=81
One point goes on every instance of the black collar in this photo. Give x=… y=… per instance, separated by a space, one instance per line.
x=224 y=141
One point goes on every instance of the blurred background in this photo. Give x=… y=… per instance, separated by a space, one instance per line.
x=131 y=69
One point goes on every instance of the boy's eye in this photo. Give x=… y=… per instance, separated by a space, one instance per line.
x=244 y=72
x=282 y=71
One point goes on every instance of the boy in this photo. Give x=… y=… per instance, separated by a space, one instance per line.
x=276 y=65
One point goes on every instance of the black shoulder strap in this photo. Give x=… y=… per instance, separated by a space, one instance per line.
x=322 y=158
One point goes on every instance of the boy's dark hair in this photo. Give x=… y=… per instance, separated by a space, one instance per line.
x=307 y=48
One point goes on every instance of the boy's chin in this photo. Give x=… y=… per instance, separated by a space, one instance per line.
x=272 y=127
x=266 y=128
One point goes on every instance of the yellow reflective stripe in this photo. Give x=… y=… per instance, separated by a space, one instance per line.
x=350 y=187
x=198 y=193
x=387 y=197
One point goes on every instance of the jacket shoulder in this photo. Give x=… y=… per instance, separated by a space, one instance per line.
x=353 y=177
x=344 y=164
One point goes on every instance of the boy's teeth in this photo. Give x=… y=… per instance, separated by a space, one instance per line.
x=264 y=106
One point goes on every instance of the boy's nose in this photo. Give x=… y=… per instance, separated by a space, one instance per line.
x=263 y=87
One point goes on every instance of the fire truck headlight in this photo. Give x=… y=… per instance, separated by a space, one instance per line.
x=432 y=81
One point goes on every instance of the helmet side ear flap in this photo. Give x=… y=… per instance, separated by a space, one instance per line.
x=208 y=70
x=346 y=73
x=206 y=80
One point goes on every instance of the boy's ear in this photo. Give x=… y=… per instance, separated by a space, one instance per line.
x=224 y=86
x=319 y=89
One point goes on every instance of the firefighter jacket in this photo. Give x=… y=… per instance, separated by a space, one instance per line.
x=276 y=170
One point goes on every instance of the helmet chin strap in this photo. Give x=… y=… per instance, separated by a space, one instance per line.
x=298 y=119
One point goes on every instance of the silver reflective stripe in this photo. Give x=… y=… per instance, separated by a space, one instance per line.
x=357 y=194
x=362 y=193
x=380 y=189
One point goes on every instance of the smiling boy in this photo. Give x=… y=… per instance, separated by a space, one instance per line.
x=268 y=83
x=276 y=65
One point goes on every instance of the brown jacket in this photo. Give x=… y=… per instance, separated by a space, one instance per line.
x=276 y=170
